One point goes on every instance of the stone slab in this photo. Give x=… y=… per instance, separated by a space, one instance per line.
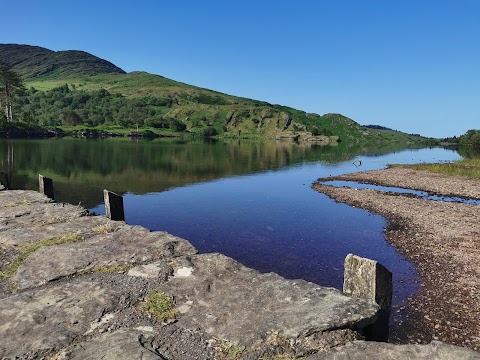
x=128 y=246
x=84 y=226
x=45 y=320
x=136 y=343
x=121 y=344
x=37 y=214
x=13 y=197
x=233 y=302
x=362 y=350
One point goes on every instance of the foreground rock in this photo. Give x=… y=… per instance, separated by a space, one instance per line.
x=69 y=277
x=441 y=239
x=269 y=303
x=83 y=287
x=120 y=249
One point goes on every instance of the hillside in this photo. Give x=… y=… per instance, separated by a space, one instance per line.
x=78 y=91
x=34 y=61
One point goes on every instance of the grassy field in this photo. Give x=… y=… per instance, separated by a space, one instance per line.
x=466 y=167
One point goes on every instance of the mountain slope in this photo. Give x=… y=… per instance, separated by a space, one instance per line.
x=73 y=88
x=34 y=61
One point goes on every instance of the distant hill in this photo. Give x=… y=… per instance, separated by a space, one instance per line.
x=75 y=89
x=34 y=61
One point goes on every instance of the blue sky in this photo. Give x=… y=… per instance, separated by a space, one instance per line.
x=410 y=65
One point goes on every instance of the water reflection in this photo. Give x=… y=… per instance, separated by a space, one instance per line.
x=79 y=166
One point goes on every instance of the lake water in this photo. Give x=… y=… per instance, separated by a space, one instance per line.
x=249 y=200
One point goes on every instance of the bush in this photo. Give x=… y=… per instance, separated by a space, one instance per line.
x=471 y=139
x=208 y=132
x=176 y=125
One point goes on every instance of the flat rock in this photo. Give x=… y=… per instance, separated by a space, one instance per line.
x=121 y=344
x=230 y=301
x=124 y=344
x=123 y=248
x=151 y=271
x=12 y=198
x=359 y=350
x=42 y=321
x=84 y=226
x=37 y=214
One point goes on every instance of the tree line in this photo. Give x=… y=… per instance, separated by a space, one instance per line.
x=11 y=85
x=471 y=139
x=66 y=105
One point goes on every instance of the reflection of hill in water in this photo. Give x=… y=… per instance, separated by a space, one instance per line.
x=82 y=168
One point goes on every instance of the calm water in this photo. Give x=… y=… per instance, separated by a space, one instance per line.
x=249 y=200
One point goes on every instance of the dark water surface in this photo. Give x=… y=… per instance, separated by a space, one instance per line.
x=248 y=200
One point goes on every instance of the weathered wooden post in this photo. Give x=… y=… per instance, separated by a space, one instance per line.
x=113 y=206
x=369 y=279
x=45 y=186
x=4 y=181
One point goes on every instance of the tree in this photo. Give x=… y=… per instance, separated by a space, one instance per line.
x=10 y=85
x=70 y=117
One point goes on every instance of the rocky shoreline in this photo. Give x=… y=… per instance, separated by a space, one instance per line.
x=76 y=286
x=440 y=238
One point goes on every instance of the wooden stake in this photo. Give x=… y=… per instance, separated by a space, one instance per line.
x=113 y=206
x=45 y=186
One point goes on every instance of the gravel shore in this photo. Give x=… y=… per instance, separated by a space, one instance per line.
x=440 y=238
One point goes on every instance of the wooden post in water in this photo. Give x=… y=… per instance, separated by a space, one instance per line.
x=45 y=186
x=4 y=180
x=113 y=206
x=369 y=279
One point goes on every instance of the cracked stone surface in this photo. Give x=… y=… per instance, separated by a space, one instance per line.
x=84 y=226
x=129 y=245
x=136 y=343
x=361 y=350
x=45 y=320
x=36 y=214
x=233 y=302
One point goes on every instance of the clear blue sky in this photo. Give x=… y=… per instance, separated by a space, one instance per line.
x=412 y=65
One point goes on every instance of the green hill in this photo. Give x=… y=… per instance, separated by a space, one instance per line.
x=78 y=91
x=34 y=61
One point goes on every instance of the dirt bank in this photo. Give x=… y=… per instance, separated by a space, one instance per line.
x=441 y=239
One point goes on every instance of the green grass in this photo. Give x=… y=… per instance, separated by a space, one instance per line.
x=467 y=167
x=159 y=306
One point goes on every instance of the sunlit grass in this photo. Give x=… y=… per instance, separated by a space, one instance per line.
x=466 y=167
x=159 y=306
